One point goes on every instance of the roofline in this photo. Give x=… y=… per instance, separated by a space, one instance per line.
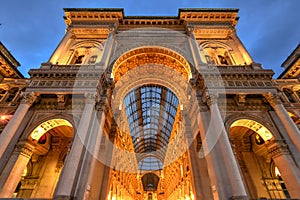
x=10 y=58
x=180 y=10
x=287 y=60
x=10 y=55
x=208 y=9
x=290 y=56
x=94 y=9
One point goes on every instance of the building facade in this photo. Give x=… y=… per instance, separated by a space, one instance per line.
x=150 y=108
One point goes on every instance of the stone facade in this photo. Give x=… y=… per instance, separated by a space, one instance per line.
x=233 y=130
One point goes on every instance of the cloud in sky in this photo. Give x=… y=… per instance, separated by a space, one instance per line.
x=32 y=29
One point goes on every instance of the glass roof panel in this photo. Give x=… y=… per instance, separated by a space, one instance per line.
x=151 y=111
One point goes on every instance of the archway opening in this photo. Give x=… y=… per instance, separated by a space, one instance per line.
x=51 y=140
x=152 y=115
x=250 y=139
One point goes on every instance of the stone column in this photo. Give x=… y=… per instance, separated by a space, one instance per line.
x=287 y=167
x=94 y=179
x=284 y=117
x=24 y=150
x=238 y=188
x=108 y=48
x=67 y=182
x=13 y=125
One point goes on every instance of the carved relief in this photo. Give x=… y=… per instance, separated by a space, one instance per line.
x=28 y=98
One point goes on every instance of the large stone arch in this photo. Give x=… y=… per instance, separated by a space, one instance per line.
x=255 y=155
x=159 y=75
x=152 y=37
x=153 y=74
x=150 y=55
x=42 y=149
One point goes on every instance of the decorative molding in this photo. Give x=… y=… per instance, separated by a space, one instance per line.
x=24 y=148
x=211 y=98
x=90 y=97
x=150 y=55
x=273 y=99
x=28 y=97
x=277 y=148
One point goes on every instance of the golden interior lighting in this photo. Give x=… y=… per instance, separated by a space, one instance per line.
x=5 y=118
x=255 y=126
x=48 y=125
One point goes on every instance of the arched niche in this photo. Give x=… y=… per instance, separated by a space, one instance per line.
x=217 y=53
x=50 y=141
x=250 y=140
x=85 y=52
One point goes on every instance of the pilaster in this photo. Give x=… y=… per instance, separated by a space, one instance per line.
x=287 y=167
x=69 y=176
x=9 y=131
x=284 y=117
x=219 y=137
x=23 y=152
x=108 y=48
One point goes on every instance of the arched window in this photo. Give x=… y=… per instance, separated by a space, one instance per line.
x=88 y=52
x=216 y=53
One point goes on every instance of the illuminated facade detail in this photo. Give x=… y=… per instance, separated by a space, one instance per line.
x=255 y=126
x=150 y=108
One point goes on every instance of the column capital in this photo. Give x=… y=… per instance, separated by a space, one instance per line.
x=273 y=99
x=277 y=148
x=28 y=97
x=190 y=30
x=211 y=98
x=112 y=29
x=25 y=148
x=101 y=104
x=90 y=97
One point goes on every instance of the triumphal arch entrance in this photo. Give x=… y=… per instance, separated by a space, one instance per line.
x=150 y=108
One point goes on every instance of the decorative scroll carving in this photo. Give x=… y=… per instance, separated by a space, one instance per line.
x=61 y=101
x=240 y=99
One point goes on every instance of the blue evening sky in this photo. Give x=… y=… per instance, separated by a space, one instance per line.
x=31 y=29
